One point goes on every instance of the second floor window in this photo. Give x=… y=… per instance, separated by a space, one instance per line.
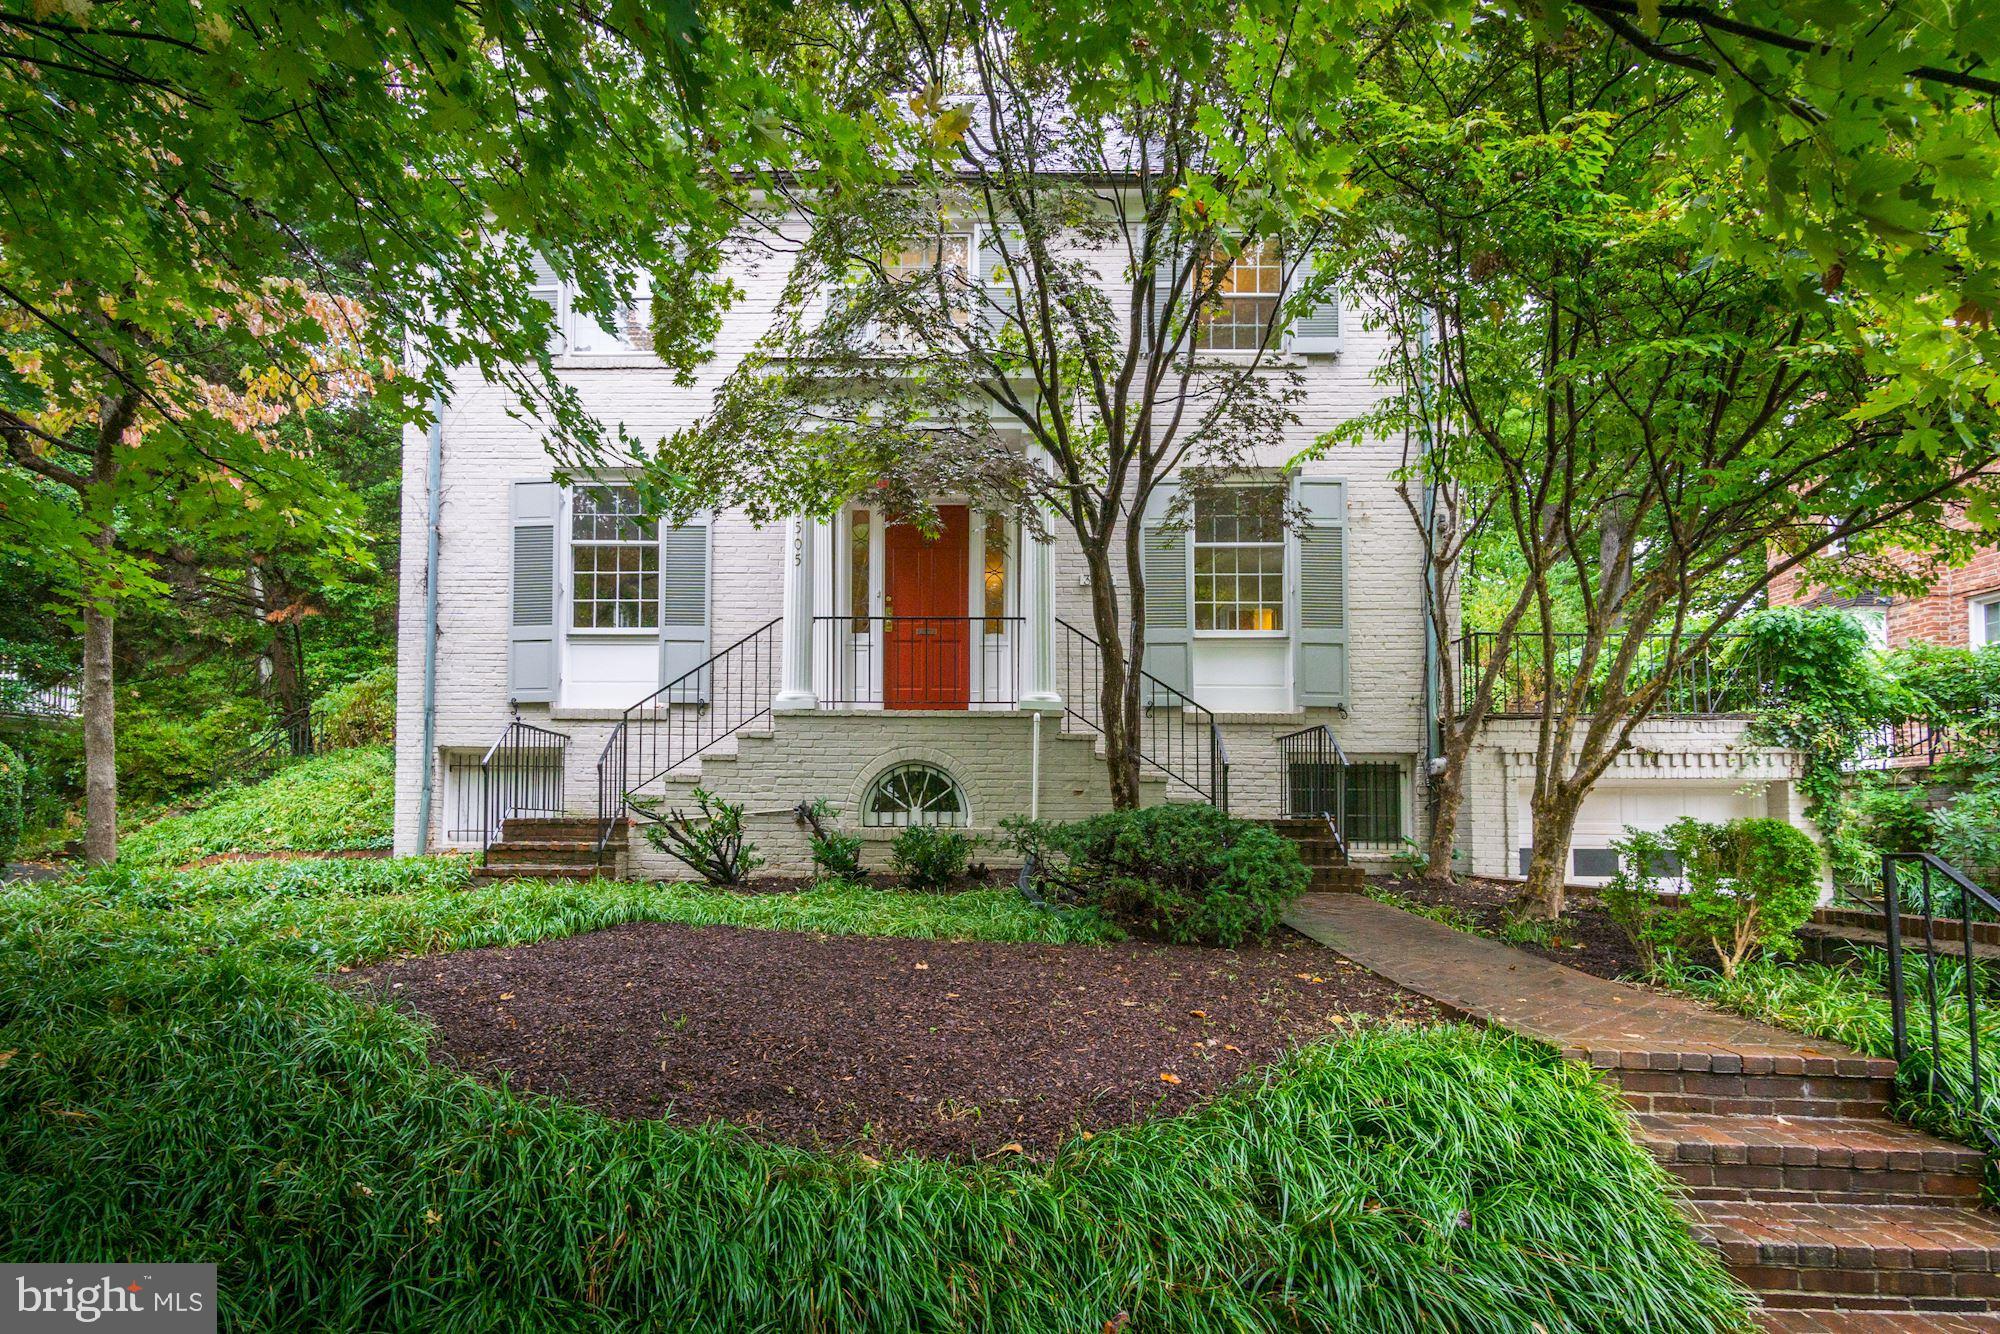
x=918 y=263
x=1244 y=311
x=1239 y=558
x=614 y=561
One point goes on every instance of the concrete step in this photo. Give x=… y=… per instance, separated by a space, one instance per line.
x=1804 y=1160
x=1719 y=1084
x=1881 y=1257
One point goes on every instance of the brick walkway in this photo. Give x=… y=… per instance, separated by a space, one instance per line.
x=1838 y=1218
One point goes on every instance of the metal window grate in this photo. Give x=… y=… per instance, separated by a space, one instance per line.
x=1375 y=802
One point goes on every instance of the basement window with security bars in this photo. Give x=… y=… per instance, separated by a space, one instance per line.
x=614 y=561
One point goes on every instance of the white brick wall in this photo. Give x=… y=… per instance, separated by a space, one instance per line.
x=1500 y=778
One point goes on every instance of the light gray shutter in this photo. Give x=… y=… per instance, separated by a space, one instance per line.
x=1319 y=635
x=531 y=593
x=1162 y=316
x=1169 y=595
x=995 y=300
x=547 y=288
x=684 y=608
x=1317 y=332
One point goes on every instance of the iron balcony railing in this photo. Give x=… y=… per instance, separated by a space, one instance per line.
x=917 y=662
x=1178 y=738
x=690 y=714
x=520 y=777
x=1716 y=679
x=1937 y=923
x=1919 y=743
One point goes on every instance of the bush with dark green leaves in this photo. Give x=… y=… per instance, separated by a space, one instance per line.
x=1750 y=885
x=929 y=858
x=13 y=801
x=1178 y=872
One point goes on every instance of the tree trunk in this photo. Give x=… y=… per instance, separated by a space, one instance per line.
x=288 y=686
x=1541 y=898
x=100 y=735
x=1447 y=800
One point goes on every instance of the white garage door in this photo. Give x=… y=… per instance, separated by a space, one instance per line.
x=1613 y=807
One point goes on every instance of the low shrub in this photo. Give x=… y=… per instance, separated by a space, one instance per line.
x=835 y=855
x=13 y=802
x=1632 y=897
x=710 y=841
x=1968 y=834
x=360 y=713
x=930 y=858
x=1752 y=884
x=1180 y=872
x=338 y=802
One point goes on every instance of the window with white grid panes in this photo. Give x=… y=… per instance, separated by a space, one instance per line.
x=614 y=561
x=1239 y=559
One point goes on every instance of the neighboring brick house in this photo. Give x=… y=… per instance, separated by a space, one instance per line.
x=1961 y=610
x=903 y=680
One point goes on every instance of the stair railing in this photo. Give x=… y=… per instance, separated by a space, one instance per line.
x=1314 y=774
x=1177 y=737
x=521 y=774
x=1931 y=911
x=693 y=712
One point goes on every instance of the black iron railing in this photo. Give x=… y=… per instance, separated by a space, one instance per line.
x=1314 y=772
x=917 y=662
x=1918 y=743
x=1716 y=679
x=688 y=715
x=1936 y=922
x=1178 y=738
x=520 y=777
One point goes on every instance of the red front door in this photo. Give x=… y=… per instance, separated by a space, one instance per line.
x=925 y=663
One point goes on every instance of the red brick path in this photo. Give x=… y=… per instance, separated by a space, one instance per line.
x=1837 y=1217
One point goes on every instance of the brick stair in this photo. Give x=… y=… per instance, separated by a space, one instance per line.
x=1322 y=854
x=1835 y=1216
x=551 y=849
x=1814 y=1199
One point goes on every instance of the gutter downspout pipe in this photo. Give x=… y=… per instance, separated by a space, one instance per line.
x=433 y=502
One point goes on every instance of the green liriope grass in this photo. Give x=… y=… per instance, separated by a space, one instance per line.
x=338 y=802
x=186 y=1087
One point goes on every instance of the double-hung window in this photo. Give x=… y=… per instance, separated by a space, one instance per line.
x=614 y=561
x=920 y=264
x=1986 y=621
x=1244 y=311
x=1239 y=558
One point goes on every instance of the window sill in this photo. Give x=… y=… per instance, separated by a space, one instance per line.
x=1253 y=636
x=590 y=361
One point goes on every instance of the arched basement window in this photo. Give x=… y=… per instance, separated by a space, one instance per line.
x=913 y=794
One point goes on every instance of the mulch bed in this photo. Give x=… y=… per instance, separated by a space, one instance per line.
x=949 y=1048
x=1586 y=939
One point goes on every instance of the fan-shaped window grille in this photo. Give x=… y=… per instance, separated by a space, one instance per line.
x=914 y=794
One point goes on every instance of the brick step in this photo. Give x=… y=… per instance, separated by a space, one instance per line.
x=536 y=871
x=1870 y=920
x=544 y=852
x=1820 y=1320
x=1723 y=1083
x=1823 y=938
x=1804 y=1160
x=570 y=829
x=1884 y=1257
x=1339 y=879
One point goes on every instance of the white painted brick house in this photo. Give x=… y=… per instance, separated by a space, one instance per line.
x=857 y=663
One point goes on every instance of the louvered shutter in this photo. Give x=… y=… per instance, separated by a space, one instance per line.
x=994 y=300
x=531 y=593
x=1162 y=317
x=1317 y=332
x=547 y=288
x=1319 y=635
x=1169 y=595
x=684 y=609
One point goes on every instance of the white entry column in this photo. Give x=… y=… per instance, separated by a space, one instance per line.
x=1037 y=619
x=795 y=664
